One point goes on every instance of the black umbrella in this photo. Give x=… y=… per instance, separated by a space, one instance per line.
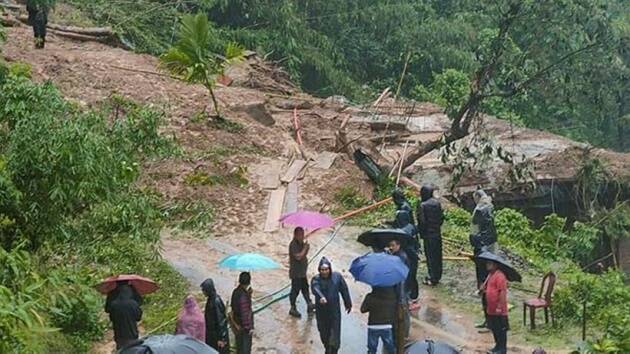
x=168 y=344
x=430 y=347
x=379 y=238
x=510 y=273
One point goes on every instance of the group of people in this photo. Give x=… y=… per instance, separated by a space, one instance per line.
x=388 y=308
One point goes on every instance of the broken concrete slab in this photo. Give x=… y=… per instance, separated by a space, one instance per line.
x=293 y=171
x=274 y=210
x=258 y=112
x=325 y=160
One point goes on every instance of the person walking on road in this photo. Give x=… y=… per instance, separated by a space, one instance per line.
x=381 y=305
x=298 y=264
x=430 y=219
x=327 y=287
x=242 y=316
x=38 y=19
x=217 y=335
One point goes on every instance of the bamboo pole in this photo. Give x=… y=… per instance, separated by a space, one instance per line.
x=402 y=158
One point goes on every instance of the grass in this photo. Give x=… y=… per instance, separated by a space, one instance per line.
x=193 y=215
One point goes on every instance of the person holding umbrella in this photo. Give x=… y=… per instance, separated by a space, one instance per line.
x=327 y=286
x=125 y=313
x=298 y=264
x=217 y=335
x=123 y=302
x=494 y=291
x=386 y=274
x=242 y=314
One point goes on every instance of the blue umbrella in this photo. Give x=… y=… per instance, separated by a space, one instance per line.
x=379 y=269
x=248 y=261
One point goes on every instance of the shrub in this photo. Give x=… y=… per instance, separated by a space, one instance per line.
x=608 y=304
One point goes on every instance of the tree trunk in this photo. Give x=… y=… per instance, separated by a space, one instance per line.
x=469 y=110
x=214 y=100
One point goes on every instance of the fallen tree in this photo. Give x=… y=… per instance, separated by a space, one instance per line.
x=518 y=56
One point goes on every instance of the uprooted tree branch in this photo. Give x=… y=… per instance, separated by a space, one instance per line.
x=483 y=85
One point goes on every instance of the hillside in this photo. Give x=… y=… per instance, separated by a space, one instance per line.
x=221 y=179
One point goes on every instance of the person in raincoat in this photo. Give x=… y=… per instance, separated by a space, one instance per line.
x=242 y=314
x=430 y=218
x=125 y=313
x=483 y=236
x=190 y=320
x=38 y=19
x=327 y=286
x=402 y=325
x=217 y=335
x=411 y=249
x=402 y=204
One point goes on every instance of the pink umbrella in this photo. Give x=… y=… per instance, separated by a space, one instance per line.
x=142 y=285
x=307 y=219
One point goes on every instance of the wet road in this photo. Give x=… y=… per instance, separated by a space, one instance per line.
x=276 y=331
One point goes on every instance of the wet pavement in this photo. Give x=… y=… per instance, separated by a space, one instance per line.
x=276 y=331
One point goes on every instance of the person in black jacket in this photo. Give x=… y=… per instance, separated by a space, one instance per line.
x=402 y=204
x=381 y=305
x=430 y=218
x=217 y=335
x=38 y=18
x=411 y=246
x=124 y=312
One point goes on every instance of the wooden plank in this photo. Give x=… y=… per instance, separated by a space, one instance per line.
x=293 y=171
x=274 y=211
x=291 y=198
x=325 y=160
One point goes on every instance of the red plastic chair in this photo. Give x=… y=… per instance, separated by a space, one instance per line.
x=544 y=302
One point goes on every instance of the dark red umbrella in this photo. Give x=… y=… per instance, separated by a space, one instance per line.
x=142 y=285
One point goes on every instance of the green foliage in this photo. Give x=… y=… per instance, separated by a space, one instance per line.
x=193 y=215
x=191 y=58
x=449 y=89
x=608 y=306
x=350 y=198
x=20 y=69
x=616 y=223
x=550 y=243
x=62 y=160
x=67 y=197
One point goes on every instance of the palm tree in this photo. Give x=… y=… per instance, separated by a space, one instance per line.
x=191 y=58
